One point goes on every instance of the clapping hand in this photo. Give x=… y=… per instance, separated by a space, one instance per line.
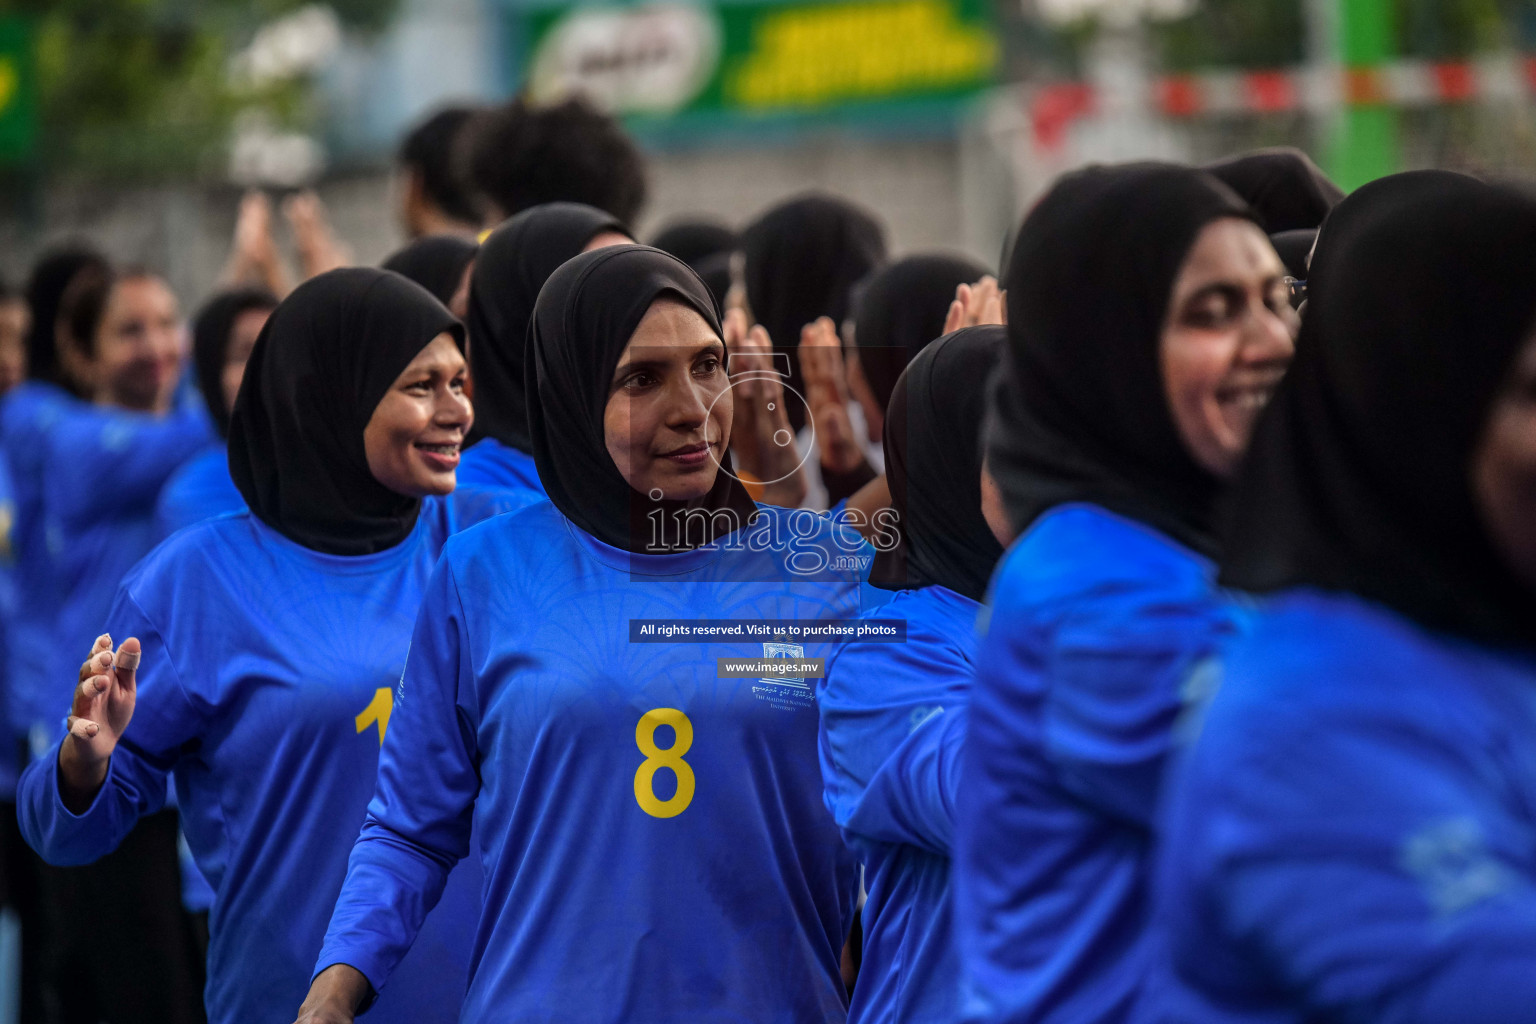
x=979 y=303
x=253 y=255
x=762 y=442
x=319 y=250
x=826 y=392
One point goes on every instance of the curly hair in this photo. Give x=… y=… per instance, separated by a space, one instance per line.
x=520 y=155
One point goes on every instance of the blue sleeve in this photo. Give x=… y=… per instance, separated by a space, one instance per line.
x=170 y=515
x=135 y=451
x=892 y=724
x=164 y=718
x=419 y=821
x=1115 y=673
x=911 y=799
x=1380 y=869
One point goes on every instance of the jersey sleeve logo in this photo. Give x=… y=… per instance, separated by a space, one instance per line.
x=1455 y=869
x=377 y=711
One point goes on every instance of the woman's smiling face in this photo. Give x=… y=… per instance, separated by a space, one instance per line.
x=668 y=417
x=1229 y=336
x=413 y=438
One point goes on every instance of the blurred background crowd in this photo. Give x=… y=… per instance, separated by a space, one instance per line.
x=140 y=121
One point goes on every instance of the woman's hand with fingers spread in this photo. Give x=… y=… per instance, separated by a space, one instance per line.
x=102 y=709
x=826 y=392
x=318 y=247
x=979 y=303
x=253 y=256
x=762 y=443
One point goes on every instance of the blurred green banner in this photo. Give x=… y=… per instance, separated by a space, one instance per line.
x=760 y=59
x=18 y=90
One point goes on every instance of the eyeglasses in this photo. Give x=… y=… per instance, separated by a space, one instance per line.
x=1296 y=290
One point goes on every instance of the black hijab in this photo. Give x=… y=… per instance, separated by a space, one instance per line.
x=210 y=344
x=1358 y=480
x=586 y=314
x=803 y=258
x=51 y=276
x=901 y=308
x=694 y=241
x=1284 y=187
x=1080 y=411
x=1293 y=247
x=435 y=262
x=325 y=359
x=715 y=272
x=933 y=456
x=514 y=262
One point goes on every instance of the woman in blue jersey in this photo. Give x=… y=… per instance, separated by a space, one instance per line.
x=28 y=414
x=1149 y=321
x=512 y=265
x=1353 y=836
x=653 y=835
x=124 y=346
x=223 y=335
x=120 y=341
x=272 y=641
x=893 y=714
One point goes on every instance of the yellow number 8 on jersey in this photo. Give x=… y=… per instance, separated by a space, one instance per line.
x=672 y=757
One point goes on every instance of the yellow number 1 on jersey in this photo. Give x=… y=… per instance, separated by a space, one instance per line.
x=672 y=757
x=378 y=711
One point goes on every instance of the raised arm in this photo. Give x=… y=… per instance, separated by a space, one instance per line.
x=78 y=802
x=1116 y=677
x=138 y=451
x=893 y=718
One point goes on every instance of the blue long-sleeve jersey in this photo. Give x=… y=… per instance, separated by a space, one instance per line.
x=893 y=718
x=8 y=762
x=654 y=840
x=98 y=534
x=1353 y=836
x=29 y=413
x=266 y=690
x=490 y=465
x=200 y=489
x=1098 y=628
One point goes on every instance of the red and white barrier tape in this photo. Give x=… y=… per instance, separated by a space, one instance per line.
x=1408 y=83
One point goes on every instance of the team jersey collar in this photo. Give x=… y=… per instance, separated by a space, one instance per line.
x=678 y=563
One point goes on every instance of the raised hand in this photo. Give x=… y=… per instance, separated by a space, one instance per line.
x=253 y=255
x=826 y=392
x=979 y=303
x=102 y=708
x=319 y=250
x=762 y=444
